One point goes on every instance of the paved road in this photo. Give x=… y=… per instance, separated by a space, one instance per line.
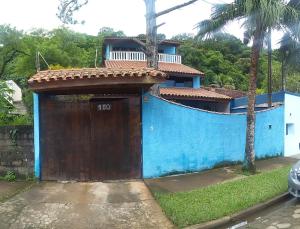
x=83 y=205
x=286 y=215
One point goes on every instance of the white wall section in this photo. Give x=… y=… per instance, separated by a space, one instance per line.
x=292 y=125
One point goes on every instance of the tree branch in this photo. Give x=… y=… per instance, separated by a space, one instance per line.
x=22 y=52
x=175 y=8
x=139 y=42
x=161 y=24
x=7 y=60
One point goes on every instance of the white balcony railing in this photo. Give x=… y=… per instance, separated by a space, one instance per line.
x=169 y=58
x=140 y=56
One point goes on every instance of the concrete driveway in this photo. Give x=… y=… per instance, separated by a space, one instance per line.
x=83 y=205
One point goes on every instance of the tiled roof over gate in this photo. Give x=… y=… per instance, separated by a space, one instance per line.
x=67 y=80
x=92 y=73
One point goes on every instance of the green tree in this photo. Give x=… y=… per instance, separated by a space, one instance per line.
x=258 y=15
x=110 y=32
x=60 y=47
x=10 y=46
x=5 y=96
x=221 y=58
x=106 y=32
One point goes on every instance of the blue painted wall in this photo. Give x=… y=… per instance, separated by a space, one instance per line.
x=36 y=120
x=168 y=83
x=168 y=49
x=182 y=139
x=276 y=97
x=107 y=51
x=196 y=82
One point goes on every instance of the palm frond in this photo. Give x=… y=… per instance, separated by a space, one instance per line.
x=291 y=18
x=221 y=15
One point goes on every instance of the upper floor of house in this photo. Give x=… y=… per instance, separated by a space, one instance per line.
x=130 y=49
x=183 y=83
x=127 y=52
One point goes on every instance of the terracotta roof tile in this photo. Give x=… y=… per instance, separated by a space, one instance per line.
x=192 y=93
x=162 y=66
x=93 y=73
x=225 y=91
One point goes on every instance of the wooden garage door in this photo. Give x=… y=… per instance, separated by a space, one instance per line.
x=90 y=139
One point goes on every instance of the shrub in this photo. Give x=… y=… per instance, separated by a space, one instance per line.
x=9 y=176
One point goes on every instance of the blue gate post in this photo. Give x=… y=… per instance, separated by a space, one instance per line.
x=36 y=121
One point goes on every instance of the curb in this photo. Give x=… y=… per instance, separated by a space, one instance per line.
x=240 y=215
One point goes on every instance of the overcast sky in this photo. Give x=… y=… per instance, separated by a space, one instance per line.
x=125 y=15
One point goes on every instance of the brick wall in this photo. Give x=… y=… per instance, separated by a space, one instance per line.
x=16 y=150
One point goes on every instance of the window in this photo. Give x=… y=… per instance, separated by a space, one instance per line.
x=289 y=129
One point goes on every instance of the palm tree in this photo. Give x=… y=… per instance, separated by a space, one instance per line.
x=258 y=16
x=247 y=37
x=269 y=44
x=289 y=45
x=289 y=53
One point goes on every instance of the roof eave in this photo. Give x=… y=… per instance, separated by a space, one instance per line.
x=199 y=98
x=183 y=74
x=84 y=84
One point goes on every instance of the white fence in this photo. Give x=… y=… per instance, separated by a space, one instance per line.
x=140 y=56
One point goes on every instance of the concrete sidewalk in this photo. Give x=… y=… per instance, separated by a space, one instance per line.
x=8 y=189
x=188 y=182
x=127 y=204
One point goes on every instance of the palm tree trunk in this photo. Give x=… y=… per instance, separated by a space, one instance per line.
x=269 y=68
x=283 y=74
x=250 y=132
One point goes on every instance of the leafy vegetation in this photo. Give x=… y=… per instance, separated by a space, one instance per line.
x=7 y=117
x=224 y=59
x=9 y=176
x=259 y=18
x=62 y=48
x=216 y=201
x=6 y=106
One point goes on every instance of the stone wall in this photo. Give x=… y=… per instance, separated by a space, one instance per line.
x=16 y=150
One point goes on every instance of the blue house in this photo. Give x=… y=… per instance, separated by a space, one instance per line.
x=183 y=84
x=128 y=121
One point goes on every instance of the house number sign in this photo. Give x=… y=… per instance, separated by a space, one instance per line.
x=104 y=107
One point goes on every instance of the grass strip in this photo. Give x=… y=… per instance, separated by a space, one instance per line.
x=213 y=202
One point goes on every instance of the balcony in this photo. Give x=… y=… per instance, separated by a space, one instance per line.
x=140 y=56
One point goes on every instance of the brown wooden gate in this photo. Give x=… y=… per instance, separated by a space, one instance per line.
x=90 y=139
